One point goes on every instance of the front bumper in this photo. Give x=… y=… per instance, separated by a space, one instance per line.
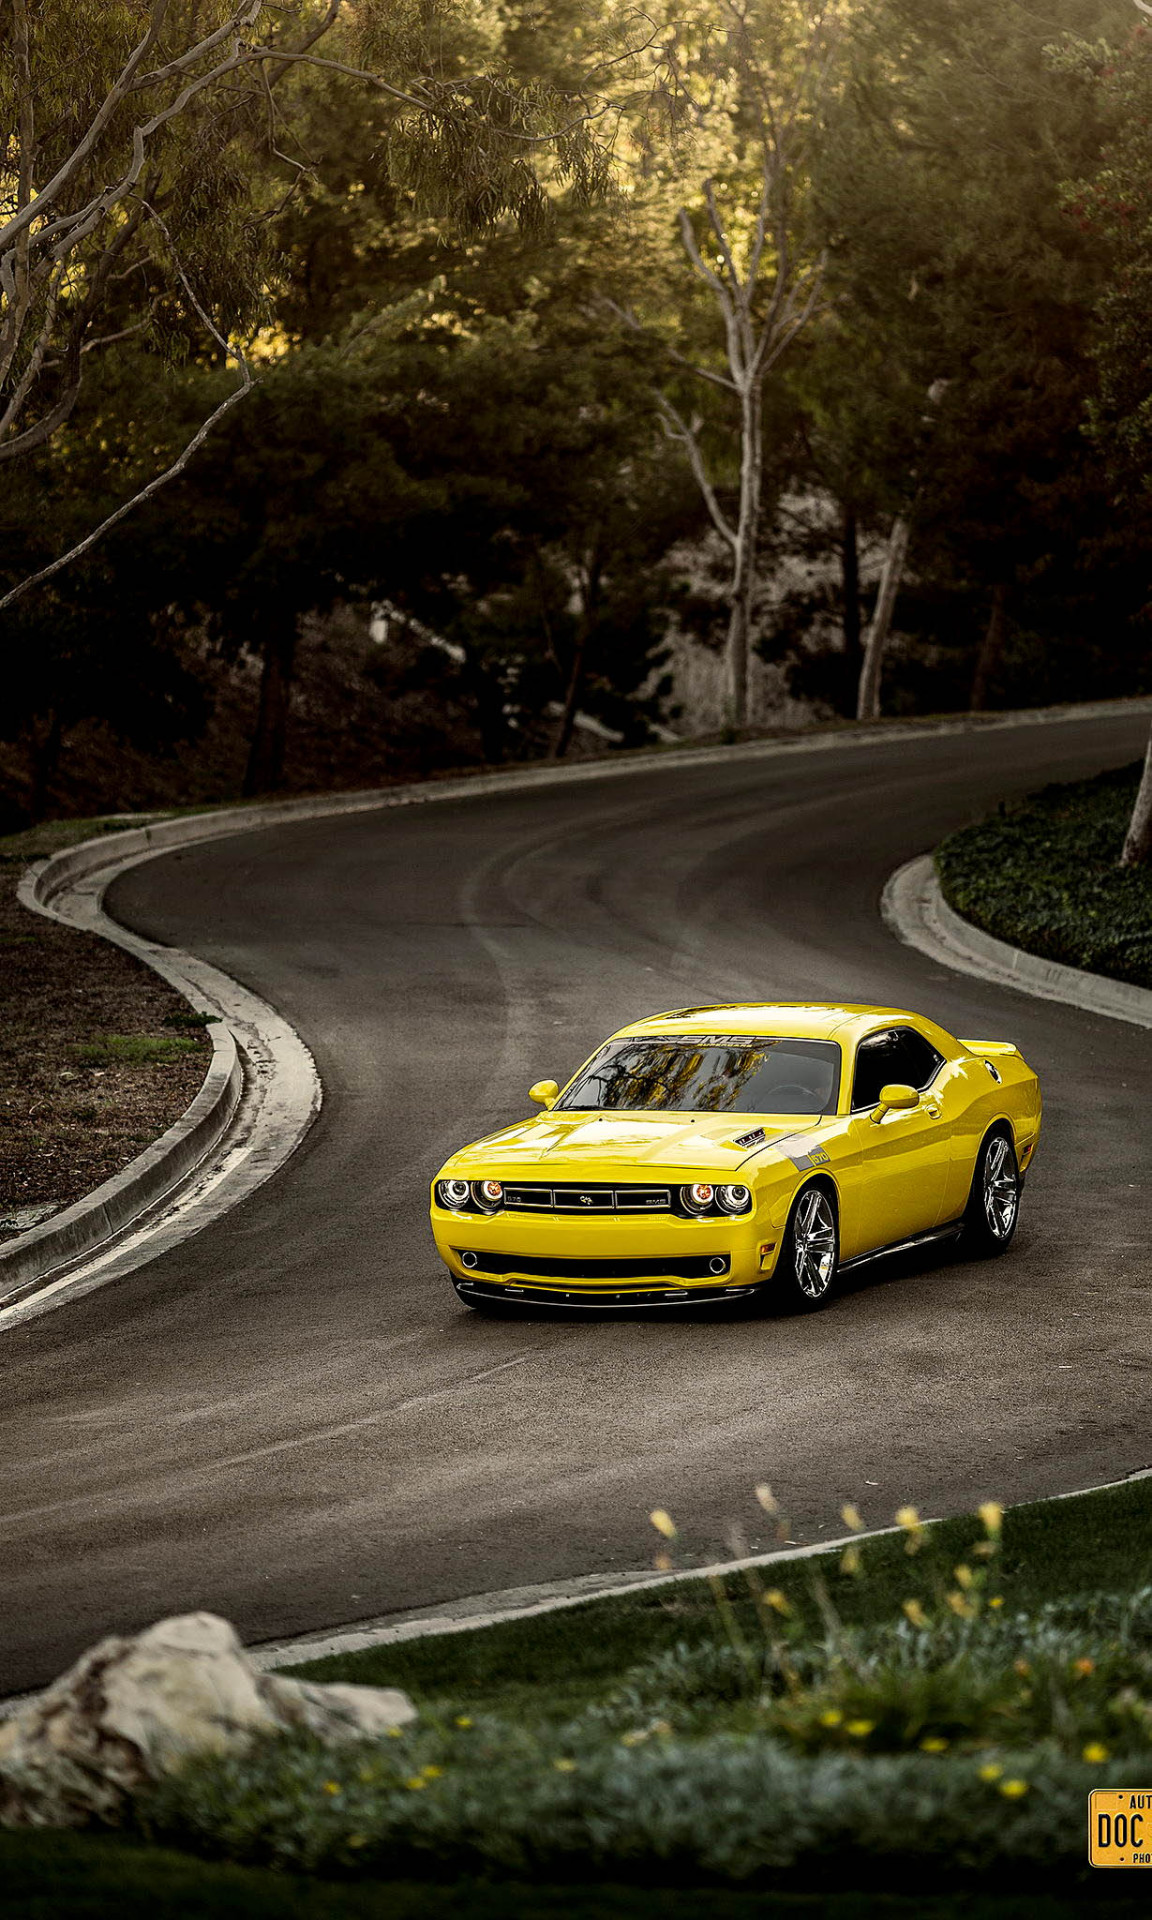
x=614 y=1261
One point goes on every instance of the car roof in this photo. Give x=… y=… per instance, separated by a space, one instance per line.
x=847 y=1021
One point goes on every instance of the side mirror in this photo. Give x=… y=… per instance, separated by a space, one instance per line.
x=545 y=1093
x=897 y=1097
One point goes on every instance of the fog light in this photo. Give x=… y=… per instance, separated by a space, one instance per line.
x=717 y=1265
x=468 y=1260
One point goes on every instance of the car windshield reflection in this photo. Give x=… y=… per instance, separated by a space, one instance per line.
x=709 y=1074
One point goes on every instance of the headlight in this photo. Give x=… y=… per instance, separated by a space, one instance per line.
x=698 y=1198
x=487 y=1194
x=452 y=1193
x=734 y=1199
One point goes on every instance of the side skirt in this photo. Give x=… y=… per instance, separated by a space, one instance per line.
x=951 y=1232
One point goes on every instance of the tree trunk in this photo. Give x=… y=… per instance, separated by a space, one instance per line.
x=1138 y=840
x=876 y=639
x=265 y=770
x=579 y=653
x=990 y=650
x=743 y=584
x=851 y=588
x=850 y=595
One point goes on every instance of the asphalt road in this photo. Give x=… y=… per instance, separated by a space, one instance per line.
x=291 y=1421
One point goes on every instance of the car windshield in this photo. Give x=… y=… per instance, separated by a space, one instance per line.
x=710 y=1073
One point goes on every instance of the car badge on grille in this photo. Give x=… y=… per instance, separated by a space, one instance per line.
x=585 y=1199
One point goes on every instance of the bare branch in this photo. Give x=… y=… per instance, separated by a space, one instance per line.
x=129 y=506
x=687 y=434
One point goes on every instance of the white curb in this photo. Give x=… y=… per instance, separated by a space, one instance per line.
x=918 y=914
x=259 y=1097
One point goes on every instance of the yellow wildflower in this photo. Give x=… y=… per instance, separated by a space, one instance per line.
x=997 y=1600
x=432 y=1773
x=934 y=1744
x=333 y=1786
x=662 y=1563
x=850 y=1560
x=1013 y=1789
x=776 y=1599
x=963 y=1576
x=417 y=1783
x=634 y=1739
x=1084 y=1665
x=1095 y=1751
x=915 y=1613
x=960 y=1606
x=394 y=1733
x=663 y=1523
x=992 y=1514
x=851 y=1518
x=908 y=1518
x=831 y=1717
x=860 y=1729
x=991 y=1771
x=463 y=1720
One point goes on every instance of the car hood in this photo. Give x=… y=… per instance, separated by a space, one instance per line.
x=613 y=1142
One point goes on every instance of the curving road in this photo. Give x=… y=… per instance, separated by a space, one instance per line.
x=290 y=1420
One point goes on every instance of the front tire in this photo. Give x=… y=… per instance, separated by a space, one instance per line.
x=993 y=1209
x=810 y=1251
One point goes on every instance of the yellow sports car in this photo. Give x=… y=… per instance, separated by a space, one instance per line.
x=719 y=1151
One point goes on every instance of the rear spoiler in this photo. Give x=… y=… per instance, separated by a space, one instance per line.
x=994 y=1048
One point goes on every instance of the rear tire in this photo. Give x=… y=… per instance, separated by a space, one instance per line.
x=809 y=1253
x=993 y=1209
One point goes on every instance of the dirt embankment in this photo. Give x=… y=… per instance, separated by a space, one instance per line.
x=97 y=1057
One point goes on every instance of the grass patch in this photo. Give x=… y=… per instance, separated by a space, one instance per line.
x=135 y=1049
x=1043 y=875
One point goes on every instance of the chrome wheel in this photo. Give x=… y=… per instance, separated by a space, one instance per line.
x=814 y=1243
x=1000 y=1191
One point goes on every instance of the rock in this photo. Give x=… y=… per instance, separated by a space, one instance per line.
x=131 y=1710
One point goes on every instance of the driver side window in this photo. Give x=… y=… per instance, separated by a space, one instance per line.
x=899 y=1057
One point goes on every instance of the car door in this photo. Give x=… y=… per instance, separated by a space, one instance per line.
x=901 y=1177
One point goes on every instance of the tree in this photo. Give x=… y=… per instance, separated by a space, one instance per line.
x=1115 y=204
x=954 y=271
x=148 y=148
x=747 y=79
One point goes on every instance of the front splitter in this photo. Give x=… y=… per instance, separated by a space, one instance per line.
x=605 y=1302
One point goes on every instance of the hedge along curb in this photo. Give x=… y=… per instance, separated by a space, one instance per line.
x=914 y=907
x=285 y=1085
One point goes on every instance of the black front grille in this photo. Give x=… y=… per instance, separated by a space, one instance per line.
x=570 y=1198
x=700 y=1266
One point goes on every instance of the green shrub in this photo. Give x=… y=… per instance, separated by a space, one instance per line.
x=959 y=1741
x=1044 y=876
